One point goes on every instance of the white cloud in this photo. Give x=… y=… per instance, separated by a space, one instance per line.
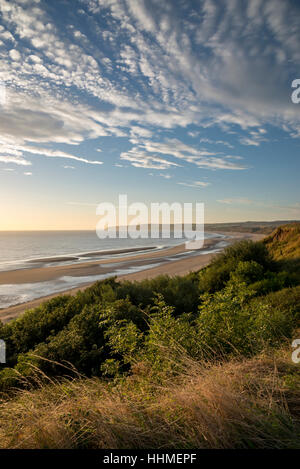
x=136 y=131
x=239 y=201
x=14 y=160
x=19 y=150
x=58 y=154
x=15 y=55
x=249 y=142
x=141 y=159
x=177 y=149
x=162 y=175
x=216 y=142
x=255 y=138
x=197 y=184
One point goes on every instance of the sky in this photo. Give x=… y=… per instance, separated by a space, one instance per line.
x=165 y=101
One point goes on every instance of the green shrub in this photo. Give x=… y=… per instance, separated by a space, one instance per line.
x=215 y=277
x=247 y=272
x=180 y=292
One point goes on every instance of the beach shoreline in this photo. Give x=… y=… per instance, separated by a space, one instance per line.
x=159 y=259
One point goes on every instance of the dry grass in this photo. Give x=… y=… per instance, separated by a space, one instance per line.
x=284 y=242
x=243 y=404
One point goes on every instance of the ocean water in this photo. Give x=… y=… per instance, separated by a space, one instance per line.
x=27 y=250
x=21 y=250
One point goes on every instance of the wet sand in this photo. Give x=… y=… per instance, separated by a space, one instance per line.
x=97 y=267
x=49 y=260
x=174 y=267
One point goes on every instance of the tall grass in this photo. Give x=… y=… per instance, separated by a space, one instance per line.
x=251 y=403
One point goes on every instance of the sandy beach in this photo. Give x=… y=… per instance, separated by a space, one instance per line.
x=172 y=267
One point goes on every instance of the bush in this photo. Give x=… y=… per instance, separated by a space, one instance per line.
x=247 y=272
x=180 y=292
x=215 y=277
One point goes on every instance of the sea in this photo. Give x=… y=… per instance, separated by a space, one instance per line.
x=35 y=249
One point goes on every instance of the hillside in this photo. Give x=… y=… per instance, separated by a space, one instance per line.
x=284 y=242
x=249 y=403
x=200 y=361
x=263 y=227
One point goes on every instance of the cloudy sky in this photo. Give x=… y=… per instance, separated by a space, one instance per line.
x=173 y=100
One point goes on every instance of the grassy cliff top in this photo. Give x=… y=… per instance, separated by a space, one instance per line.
x=284 y=242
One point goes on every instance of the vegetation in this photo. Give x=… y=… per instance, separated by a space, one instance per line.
x=238 y=404
x=195 y=361
x=284 y=243
x=264 y=227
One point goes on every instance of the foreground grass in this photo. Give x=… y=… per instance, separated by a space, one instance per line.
x=251 y=403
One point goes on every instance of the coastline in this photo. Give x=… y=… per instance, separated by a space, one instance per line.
x=159 y=259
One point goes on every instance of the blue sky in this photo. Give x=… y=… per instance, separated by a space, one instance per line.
x=170 y=100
